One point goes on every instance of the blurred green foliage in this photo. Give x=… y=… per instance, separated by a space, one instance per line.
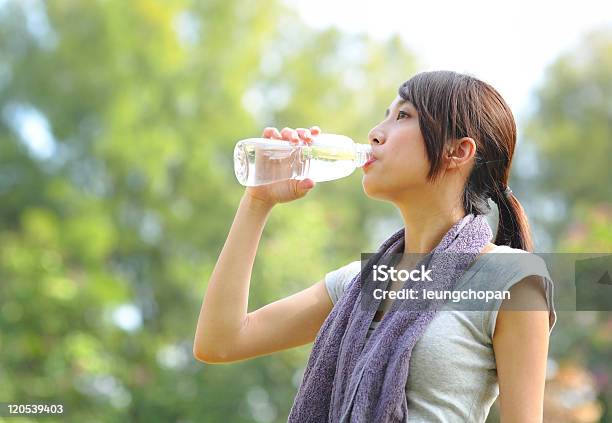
x=118 y=120
x=570 y=131
x=110 y=230
x=571 y=189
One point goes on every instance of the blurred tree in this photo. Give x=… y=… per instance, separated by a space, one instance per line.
x=117 y=192
x=570 y=132
x=586 y=338
x=570 y=192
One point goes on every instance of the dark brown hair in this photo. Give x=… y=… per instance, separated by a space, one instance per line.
x=452 y=106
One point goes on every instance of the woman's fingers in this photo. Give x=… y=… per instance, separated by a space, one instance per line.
x=271 y=132
x=290 y=135
x=304 y=135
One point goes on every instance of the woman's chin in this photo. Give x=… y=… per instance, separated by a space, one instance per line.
x=371 y=188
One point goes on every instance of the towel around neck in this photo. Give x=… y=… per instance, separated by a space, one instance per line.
x=352 y=378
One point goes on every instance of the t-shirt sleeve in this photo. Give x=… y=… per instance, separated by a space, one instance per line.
x=338 y=280
x=525 y=265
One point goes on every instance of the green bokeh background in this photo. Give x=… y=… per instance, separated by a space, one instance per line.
x=111 y=225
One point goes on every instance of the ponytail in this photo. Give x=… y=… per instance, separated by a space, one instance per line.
x=513 y=226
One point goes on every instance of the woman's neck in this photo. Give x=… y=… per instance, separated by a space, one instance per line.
x=426 y=226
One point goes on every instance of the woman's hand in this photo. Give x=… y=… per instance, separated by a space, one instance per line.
x=291 y=189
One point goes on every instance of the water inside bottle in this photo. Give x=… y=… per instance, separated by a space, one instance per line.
x=258 y=165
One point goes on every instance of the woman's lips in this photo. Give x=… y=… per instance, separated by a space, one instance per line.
x=368 y=163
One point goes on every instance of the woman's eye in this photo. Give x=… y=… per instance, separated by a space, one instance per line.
x=402 y=114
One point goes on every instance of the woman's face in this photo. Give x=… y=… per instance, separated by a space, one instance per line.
x=401 y=164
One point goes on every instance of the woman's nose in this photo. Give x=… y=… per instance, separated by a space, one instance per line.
x=376 y=137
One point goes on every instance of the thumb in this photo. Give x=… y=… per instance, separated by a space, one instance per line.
x=303 y=186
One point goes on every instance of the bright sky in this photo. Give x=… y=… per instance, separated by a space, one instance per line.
x=506 y=44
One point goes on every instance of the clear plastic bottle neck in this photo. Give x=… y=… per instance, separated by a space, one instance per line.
x=363 y=153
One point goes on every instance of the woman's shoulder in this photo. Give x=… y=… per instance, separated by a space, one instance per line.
x=501 y=265
x=524 y=274
x=338 y=279
x=515 y=262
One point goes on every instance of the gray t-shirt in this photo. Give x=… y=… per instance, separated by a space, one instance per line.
x=453 y=375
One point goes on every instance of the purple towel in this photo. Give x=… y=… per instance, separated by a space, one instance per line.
x=350 y=380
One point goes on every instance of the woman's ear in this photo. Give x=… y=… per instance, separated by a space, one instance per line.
x=460 y=153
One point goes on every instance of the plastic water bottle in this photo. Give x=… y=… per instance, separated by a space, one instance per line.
x=259 y=161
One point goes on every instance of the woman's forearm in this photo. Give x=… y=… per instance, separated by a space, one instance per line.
x=225 y=305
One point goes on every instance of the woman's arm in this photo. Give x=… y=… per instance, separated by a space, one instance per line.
x=225 y=331
x=520 y=342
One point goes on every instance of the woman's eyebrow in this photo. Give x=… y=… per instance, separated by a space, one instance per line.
x=399 y=104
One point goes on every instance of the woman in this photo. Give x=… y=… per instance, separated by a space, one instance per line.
x=444 y=148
